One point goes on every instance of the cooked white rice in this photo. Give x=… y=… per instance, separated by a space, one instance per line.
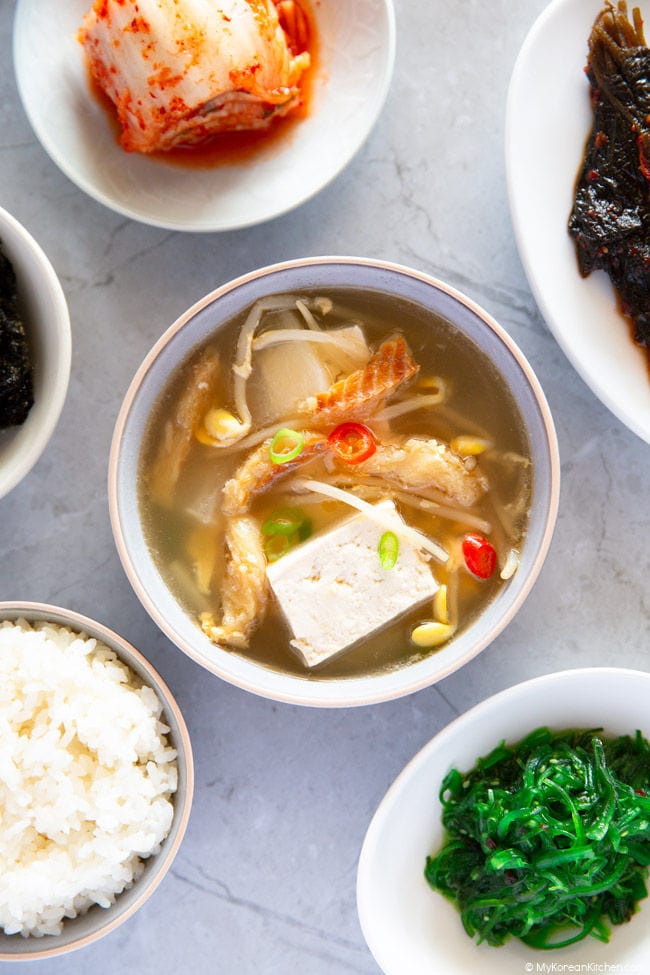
x=86 y=776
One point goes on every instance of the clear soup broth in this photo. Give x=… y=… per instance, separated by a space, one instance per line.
x=206 y=471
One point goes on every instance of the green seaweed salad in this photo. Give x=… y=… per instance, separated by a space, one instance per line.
x=548 y=838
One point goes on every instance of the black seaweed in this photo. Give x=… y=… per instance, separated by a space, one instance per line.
x=610 y=220
x=16 y=378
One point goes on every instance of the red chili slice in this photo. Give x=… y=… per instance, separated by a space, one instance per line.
x=480 y=557
x=352 y=442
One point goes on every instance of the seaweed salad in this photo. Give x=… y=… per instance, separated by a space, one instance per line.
x=610 y=220
x=16 y=383
x=548 y=840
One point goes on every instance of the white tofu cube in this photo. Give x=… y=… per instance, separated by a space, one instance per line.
x=333 y=590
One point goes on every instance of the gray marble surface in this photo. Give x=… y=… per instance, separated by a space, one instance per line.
x=265 y=880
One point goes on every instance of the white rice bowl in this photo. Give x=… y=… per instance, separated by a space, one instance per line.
x=86 y=776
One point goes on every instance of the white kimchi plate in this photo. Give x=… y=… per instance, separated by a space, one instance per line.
x=548 y=120
x=355 y=63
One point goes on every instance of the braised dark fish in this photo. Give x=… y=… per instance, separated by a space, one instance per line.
x=16 y=383
x=610 y=220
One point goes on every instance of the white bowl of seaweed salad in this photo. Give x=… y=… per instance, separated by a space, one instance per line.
x=574 y=841
x=35 y=348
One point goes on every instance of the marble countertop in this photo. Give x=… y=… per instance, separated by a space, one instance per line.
x=265 y=880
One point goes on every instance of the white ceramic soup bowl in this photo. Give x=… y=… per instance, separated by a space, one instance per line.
x=47 y=324
x=391 y=286
x=86 y=928
x=411 y=928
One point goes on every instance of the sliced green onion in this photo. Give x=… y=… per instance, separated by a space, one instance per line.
x=285 y=529
x=284 y=521
x=304 y=530
x=388 y=550
x=286 y=445
x=275 y=546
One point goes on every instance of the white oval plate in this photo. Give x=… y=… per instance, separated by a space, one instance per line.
x=355 y=62
x=412 y=929
x=548 y=120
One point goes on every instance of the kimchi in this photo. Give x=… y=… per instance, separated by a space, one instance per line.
x=180 y=71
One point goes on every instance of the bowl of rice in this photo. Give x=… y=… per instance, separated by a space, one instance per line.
x=96 y=780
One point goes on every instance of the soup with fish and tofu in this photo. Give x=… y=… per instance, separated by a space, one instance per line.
x=332 y=492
